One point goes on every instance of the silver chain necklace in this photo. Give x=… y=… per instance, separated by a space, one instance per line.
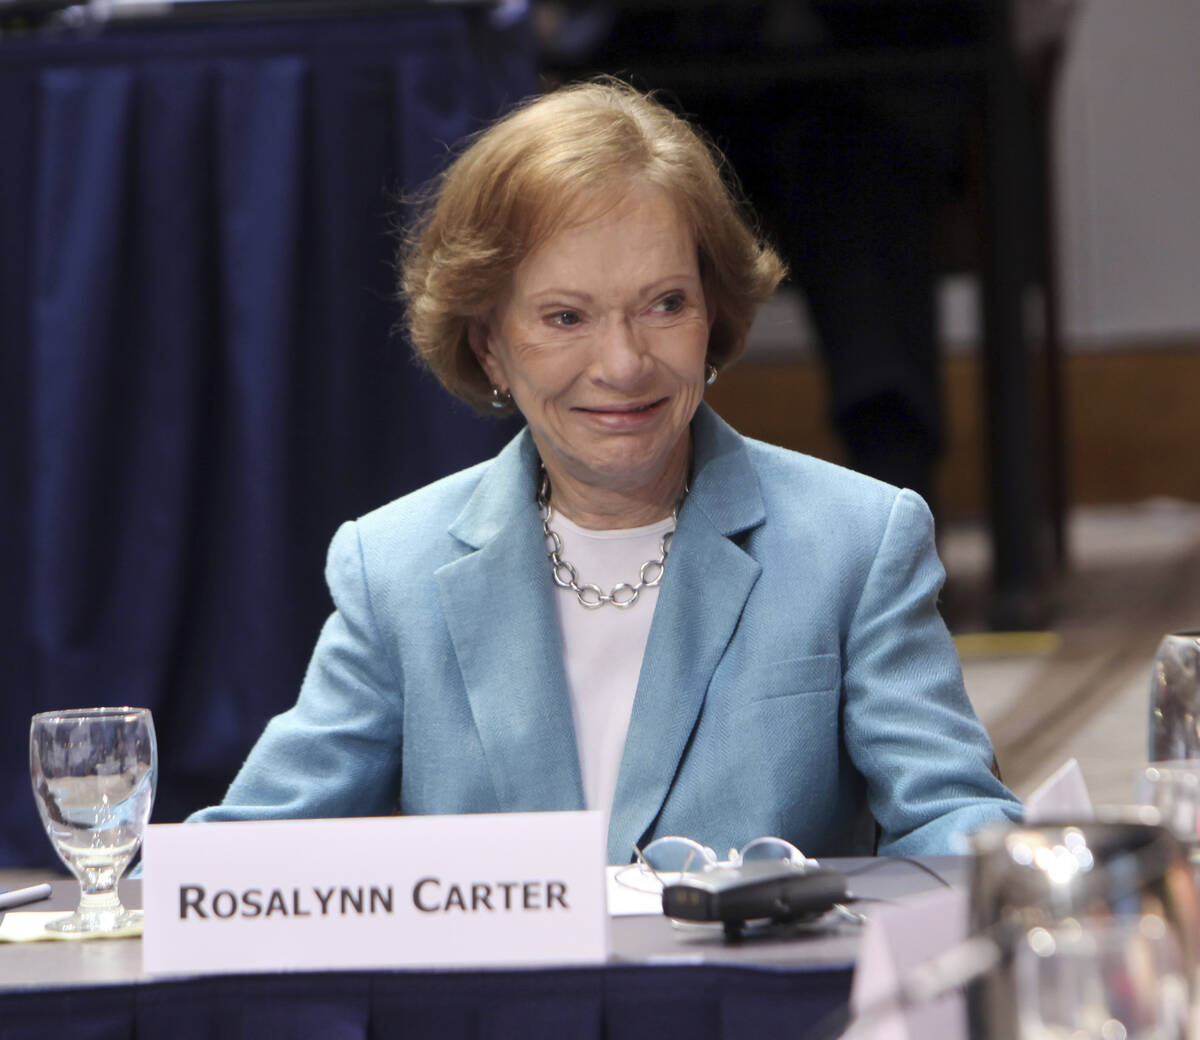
x=623 y=594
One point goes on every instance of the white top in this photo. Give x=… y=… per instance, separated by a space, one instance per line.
x=603 y=647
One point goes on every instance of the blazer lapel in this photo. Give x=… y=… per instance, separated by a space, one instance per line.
x=703 y=593
x=500 y=612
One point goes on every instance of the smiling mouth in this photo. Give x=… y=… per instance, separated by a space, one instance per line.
x=624 y=409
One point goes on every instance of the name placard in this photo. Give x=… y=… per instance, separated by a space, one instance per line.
x=406 y=891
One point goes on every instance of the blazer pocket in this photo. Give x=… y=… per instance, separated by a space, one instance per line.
x=796 y=677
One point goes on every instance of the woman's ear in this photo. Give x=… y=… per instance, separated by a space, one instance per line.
x=477 y=336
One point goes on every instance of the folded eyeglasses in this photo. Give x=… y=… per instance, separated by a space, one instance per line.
x=673 y=854
x=666 y=859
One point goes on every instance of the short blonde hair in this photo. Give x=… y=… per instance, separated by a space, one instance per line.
x=524 y=176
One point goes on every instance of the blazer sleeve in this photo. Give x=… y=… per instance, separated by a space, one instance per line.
x=909 y=727
x=337 y=751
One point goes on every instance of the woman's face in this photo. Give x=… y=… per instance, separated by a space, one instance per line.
x=601 y=338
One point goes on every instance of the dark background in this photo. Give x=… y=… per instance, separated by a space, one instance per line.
x=199 y=377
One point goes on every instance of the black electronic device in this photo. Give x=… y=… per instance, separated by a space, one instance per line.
x=770 y=890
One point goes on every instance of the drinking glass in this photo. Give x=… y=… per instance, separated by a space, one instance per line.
x=1102 y=924
x=93 y=772
x=1173 y=788
x=1116 y=978
x=1175 y=698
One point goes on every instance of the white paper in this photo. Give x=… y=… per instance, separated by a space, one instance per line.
x=632 y=891
x=895 y=939
x=21 y=926
x=1062 y=795
x=408 y=891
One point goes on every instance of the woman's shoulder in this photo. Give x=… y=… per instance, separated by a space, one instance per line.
x=443 y=520
x=791 y=479
x=433 y=506
x=409 y=531
x=851 y=516
x=782 y=475
x=795 y=492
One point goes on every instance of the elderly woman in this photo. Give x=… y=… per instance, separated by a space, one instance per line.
x=631 y=608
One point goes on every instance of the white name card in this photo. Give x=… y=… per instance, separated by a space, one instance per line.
x=405 y=891
x=897 y=938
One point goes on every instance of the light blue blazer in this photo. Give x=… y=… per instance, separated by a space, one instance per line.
x=798 y=679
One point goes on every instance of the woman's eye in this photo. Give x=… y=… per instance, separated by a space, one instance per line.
x=670 y=304
x=565 y=318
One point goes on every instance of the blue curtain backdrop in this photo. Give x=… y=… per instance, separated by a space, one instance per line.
x=198 y=375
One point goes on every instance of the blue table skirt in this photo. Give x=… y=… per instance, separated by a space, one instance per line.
x=615 y=1003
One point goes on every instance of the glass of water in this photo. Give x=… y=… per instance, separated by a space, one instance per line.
x=1121 y=978
x=93 y=772
x=1173 y=788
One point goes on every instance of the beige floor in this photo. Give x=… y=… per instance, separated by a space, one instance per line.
x=1082 y=690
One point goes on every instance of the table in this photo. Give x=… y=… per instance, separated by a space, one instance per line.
x=659 y=983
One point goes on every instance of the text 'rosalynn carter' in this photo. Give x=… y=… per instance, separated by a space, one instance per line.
x=429 y=895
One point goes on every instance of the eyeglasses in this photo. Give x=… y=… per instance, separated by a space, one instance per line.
x=672 y=855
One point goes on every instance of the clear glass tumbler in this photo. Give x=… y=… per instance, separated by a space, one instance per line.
x=1175 y=698
x=1173 y=788
x=94 y=771
x=1120 y=978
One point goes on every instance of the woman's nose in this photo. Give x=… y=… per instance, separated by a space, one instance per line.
x=621 y=356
